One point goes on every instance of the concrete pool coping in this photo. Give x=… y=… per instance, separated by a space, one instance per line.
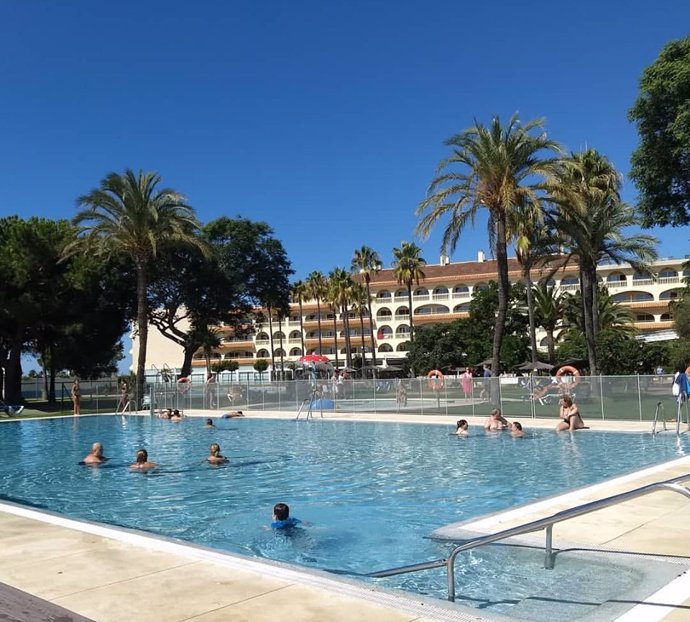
x=110 y=575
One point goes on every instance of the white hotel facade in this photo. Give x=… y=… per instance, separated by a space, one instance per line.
x=442 y=296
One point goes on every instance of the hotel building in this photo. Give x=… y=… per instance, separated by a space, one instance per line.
x=442 y=296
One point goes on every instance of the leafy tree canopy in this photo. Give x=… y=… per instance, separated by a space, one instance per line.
x=661 y=163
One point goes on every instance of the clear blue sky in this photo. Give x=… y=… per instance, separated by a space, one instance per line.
x=324 y=119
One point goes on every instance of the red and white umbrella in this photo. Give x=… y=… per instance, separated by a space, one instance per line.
x=313 y=358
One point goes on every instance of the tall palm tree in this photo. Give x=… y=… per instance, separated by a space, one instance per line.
x=367 y=262
x=534 y=246
x=590 y=219
x=300 y=293
x=130 y=215
x=360 y=307
x=341 y=284
x=407 y=269
x=548 y=311
x=316 y=283
x=497 y=168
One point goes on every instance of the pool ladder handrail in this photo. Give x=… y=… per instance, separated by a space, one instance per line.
x=546 y=523
x=679 y=417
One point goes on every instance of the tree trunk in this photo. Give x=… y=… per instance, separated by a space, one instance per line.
x=587 y=316
x=409 y=300
x=142 y=329
x=51 y=384
x=335 y=335
x=186 y=369
x=361 y=326
x=503 y=293
x=552 y=347
x=270 y=342
x=372 y=328
x=301 y=326
x=13 y=373
x=348 y=344
x=282 y=356
x=530 y=314
x=318 y=319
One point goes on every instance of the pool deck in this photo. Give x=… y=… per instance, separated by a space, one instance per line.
x=116 y=575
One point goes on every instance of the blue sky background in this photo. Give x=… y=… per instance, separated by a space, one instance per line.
x=324 y=119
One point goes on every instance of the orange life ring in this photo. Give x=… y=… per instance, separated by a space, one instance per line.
x=435 y=380
x=569 y=369
x=184 y=384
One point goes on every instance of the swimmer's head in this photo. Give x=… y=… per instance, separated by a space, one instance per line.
x=281 y=511
x=97 y=449
x=215 y=449
x=142 y=456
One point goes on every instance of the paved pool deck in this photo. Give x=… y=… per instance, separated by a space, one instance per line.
x=117 y=575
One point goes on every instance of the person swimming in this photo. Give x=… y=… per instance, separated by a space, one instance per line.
x=282 y=518
x=96 y=455
x=495 y=421
x=142 y=462
x=516 y=430
x=209 y=423
x=215 y=456
x=462 y=427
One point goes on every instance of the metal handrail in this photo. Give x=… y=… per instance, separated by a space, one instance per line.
x=659 y=407
x=547 y=523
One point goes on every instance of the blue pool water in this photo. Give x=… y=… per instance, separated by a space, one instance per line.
x=370 y=493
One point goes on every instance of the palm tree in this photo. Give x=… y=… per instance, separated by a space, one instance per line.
x=590 y=220
x=300 y=293
x=495 y=168
x=366 y=261
x=341 y=284
x=128 y=214
x=316 y=283
x=407 y=269
x=360 y=307
x=548 y=311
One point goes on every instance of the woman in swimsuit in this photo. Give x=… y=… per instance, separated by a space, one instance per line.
x=570 y=416
x=215 y=457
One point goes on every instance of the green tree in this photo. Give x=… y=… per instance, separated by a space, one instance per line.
x=496 y=168
x=190 y=292
x=548 y=304
x=367 y=262
x=591 y=220
x=129 y=215
x=300 y=294
x=316 y=282
x=407 y=269
x=661 y=162
x=340 y=294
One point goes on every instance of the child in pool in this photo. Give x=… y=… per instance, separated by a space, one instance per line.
x=281 y=517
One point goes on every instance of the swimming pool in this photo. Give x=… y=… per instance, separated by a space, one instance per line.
x=371 y=492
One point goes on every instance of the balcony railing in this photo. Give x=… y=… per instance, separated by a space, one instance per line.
x=461 y=294
x=420 y=296
x=616 y=284
x=441 y=296
x=642 y=282
x=668 y=279
x=402 y=317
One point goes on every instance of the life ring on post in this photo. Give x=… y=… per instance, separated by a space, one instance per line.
x=184 y=384
x=569 y=370
x=435 y=380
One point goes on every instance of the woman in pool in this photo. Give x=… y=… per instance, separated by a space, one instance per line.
x=516 y=430
x=496 y=421
x=462 y=427
x=142 y=462
x=570 y=416
x=96 y=456
x=215 y=456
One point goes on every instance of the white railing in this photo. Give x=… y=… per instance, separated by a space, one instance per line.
x=669 y=279
x=461 y=294
x=441 y=296
x=616 y=284
x=420 y=296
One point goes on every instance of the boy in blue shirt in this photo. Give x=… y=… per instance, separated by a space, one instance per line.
x=281 y=517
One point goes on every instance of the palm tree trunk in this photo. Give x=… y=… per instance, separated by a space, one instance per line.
x=282 y=356
x=348 y=340
x=361 y=326
x=409 y=301
x=318 y=319
x=301 y=326
x=335 y=335
x=270 y=337
x=371 y=326
x=503 y=293
x=142 y=328
x=589 y=328
x=550 y=340
x=530 y=314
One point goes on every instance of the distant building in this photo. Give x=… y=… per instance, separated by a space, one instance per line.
x=443 y=295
